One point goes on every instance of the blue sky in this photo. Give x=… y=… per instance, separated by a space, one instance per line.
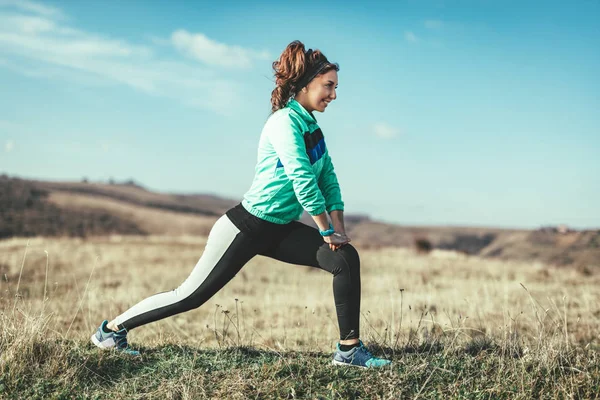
x=478 y=113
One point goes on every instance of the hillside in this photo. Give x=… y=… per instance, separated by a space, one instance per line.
x=40 y=208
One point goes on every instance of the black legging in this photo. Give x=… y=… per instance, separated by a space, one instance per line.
x=234 y=240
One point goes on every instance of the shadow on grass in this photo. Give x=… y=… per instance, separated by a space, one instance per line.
x=478 y=345
x=421 y=348
x=106 y=367
x=109 y=366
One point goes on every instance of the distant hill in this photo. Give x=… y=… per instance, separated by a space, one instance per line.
x=41 y=208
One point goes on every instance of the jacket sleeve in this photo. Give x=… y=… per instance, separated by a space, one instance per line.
x=287 y=140
x=330 y=187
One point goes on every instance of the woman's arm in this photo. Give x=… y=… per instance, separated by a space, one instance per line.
x=330 y=187
x=288 y=143
x=333 y=201
x=337 y=219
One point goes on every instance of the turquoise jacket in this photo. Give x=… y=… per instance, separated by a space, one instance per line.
x=294 y=171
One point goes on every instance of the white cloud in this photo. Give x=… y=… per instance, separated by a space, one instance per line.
x=202 y=48
x=385 y=131
x=47 y=71
x=410 y=37
x=8 y=146
x=434 y=24
x=158 y=41
x=42 y=46
x=33 y=7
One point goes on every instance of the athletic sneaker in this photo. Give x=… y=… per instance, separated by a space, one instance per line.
x=108 y=339
x=358 y=356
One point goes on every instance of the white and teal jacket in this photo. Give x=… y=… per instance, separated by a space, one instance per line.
x=294 y=171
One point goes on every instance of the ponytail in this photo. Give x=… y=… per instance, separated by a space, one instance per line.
x=288 y=69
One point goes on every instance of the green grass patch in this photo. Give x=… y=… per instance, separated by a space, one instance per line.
x=70 y=369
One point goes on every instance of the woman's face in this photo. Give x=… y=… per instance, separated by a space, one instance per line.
x=319 y=92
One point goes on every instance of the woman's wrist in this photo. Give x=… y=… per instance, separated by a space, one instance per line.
x=327 y=232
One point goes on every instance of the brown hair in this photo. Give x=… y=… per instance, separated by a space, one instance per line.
x=291 y=67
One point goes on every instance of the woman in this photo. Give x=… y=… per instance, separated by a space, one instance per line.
x=293 y=173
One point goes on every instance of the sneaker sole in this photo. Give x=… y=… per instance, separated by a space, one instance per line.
x=340 y=363
x=335 y=362
x=100 y=344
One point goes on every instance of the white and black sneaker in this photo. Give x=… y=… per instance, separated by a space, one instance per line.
x=358 y=356
x=105 y=338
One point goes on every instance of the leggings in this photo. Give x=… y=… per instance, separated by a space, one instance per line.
x=234 y=240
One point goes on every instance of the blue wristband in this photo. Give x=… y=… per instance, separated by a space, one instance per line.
x=328 y=232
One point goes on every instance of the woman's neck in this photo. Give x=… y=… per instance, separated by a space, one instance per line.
x=303 y=102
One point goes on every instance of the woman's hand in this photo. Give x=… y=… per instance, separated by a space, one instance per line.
x=336 y=240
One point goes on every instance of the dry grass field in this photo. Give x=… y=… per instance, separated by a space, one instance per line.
x=454 y=325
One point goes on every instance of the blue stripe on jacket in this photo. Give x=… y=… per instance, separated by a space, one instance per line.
x=314 y=154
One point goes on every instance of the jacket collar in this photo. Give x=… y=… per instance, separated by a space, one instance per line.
x=297 y=107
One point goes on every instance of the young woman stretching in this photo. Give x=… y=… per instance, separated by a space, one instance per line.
x=294 y=173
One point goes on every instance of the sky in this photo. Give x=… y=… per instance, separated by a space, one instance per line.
x=448 y=113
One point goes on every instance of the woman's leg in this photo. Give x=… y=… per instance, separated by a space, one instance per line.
x=226 y=252
x=304 y=245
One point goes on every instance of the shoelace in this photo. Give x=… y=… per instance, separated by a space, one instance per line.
x=364 y=349
x=367 y=352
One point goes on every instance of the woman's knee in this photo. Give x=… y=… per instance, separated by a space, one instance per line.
x=349 y=253
x=346 y=258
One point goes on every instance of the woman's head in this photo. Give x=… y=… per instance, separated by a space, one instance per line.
x=306 y=75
